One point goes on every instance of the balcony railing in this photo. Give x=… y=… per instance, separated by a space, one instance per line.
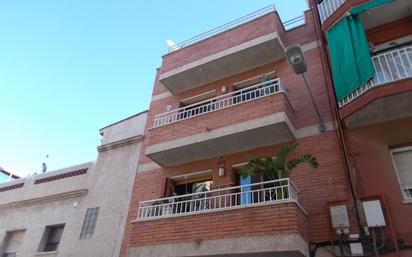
x=389 y=66
x=223 y=28
x=268 y=192
x=328 y=7
x=217 y=103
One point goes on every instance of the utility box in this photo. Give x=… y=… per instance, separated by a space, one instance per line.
x=374 y=214
x=356 y=249
x=339 y=216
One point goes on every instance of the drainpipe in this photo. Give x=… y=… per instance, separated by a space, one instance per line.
x=335 y=112
x=341 y=142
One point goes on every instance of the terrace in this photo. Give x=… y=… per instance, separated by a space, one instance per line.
x=251 y=195
x=390 y=66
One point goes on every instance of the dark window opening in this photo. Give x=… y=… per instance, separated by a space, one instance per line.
x=265 y=88
x=51 y=238
x=89 y=223
x=197 y=109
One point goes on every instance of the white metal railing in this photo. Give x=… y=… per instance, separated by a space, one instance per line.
x=233 y=98
x=327 y=7
x=295 y=22
x=223 y=28
x=389 y=66
x=407 y=191
x=267 y=192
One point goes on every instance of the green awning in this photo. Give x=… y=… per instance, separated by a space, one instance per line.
x=349 y=51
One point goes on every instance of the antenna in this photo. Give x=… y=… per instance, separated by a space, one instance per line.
x=44 y=165
x=172 y=45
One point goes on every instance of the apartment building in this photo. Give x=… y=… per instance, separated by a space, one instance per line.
x=372 y=41
x=219 y=99
x=79 y=211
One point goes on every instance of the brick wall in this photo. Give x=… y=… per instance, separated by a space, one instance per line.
x=263 y=220
x=298 y=99
x=236 y=114
x=259 y=27
x=318 y=187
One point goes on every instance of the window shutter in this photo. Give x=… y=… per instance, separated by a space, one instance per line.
x=403 y=161
x=15 y=242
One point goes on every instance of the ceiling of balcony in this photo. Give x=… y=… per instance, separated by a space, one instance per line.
x=384 y=109
x=247 y=56
x=396 y=10
x=269 y=130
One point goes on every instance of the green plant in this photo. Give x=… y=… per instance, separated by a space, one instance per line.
x=278 y=167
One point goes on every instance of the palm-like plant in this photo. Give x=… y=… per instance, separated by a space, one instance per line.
x=278 y=167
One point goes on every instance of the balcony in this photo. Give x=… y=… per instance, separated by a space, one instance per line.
x=328 y=7
x=222 y=28
x=241 y=45
x=245 y=119
x=374 y=17
x=387 y=96
x=221 y=102
x=390 y=66
x=257 y=194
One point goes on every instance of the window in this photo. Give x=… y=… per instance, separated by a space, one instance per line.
x=248 y=192
x=402 y=158
x=259 y=188
x=14 y=240
x=243 y=92
x=51 y=238
x=89 y=223
x=194 y=110
x=198 y=104
x=198 y=184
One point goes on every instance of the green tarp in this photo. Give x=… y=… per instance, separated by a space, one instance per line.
x=349 y=51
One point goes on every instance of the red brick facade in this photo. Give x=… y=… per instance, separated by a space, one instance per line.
x=368 y=147
x=317 y=187
x=282 y=218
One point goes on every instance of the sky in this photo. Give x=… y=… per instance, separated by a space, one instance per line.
x=71 y=67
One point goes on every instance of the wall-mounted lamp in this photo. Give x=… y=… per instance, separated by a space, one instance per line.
x=224 y=89
x=221 y=166
x=297 y=61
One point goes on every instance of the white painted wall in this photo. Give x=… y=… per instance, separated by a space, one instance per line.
x=107 y=184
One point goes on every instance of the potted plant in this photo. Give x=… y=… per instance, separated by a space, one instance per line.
x=277 y=167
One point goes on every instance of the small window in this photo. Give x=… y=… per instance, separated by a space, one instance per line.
x=197 y=109
x=255 y=80
x=255 y=87
x=14 y=240
x=51 y=238
x=89 y=223
x=402 y=159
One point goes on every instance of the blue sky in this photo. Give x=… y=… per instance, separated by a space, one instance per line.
x=70 y=67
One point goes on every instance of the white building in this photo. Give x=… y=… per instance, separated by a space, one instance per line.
x=78 y=211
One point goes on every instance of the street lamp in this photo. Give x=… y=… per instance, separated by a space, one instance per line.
x=297 y=61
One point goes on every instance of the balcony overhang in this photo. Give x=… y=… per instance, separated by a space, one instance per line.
x=240 y=58
x=387 y=13
x=269 y=130
x=384 y=109
x=271 y=245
